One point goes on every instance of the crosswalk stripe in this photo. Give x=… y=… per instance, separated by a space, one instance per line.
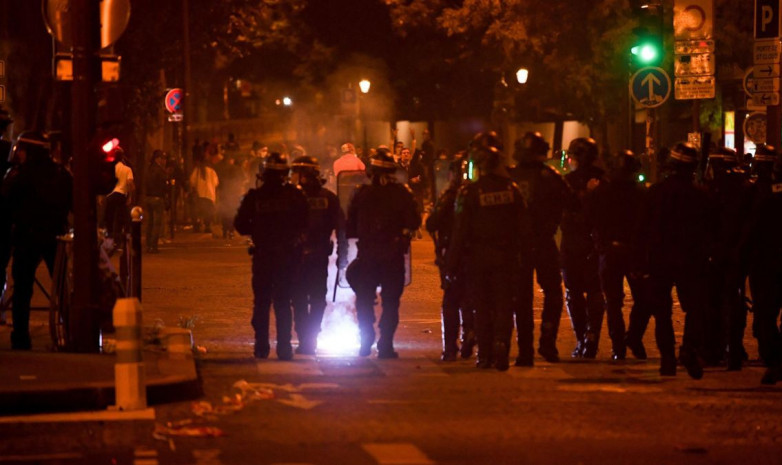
x=397 y=454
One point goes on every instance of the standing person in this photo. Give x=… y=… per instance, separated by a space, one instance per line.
x=203 y=189
x=39 y=196
x=615 y=208
x=349 y=161
x=157 y=196
x=416 y=175
x=117 y=213
x=275 y=217
x=489 y=234
x=427 y=157
x=5 y=216
x=677 y=228
x=726 y=318
x=229 y=193
x=440 y=226
x=763 y=251
x=544 y=190
x=310 y=286
x=583 y=296
x=383 y=216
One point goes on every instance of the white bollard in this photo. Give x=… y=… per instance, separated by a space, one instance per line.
x=129 y=384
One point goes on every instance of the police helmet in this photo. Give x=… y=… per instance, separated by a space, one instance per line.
x=276 y=162
x=486 y=158
x=381 y=163
x=765 y=153
x=724 y=158
x=583 y=150
x=684 y=155
x=487 y=139
x=306 y=165
x=626 y=162
x=531 y=147
x=34 y=144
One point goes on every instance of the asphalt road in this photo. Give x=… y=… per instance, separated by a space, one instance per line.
x=339 y=409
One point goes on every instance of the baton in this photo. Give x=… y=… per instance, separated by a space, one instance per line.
x=336 y=284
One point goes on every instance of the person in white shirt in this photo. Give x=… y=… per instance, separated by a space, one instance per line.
x=348 y=161
x=203 y=188
x=117 y=214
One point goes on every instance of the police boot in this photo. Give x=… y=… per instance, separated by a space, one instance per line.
x=21 y=341
x=385 y=348
x=578 y=351
x=636 y=346
x=549 y=353
x=261 y=349
x=284 y=352
x=690 y=362
x=484 y=359
x=668 y=366
x=590 y=346
x=468 y=344
x=526 y=360
x=500 y=351
x=735 y=358
x=618 y=351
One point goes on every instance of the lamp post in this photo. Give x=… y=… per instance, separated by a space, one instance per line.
x=363 y=85
x=521 y=75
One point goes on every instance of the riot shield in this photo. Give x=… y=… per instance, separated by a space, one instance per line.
x=347 y=184
x=441 y=173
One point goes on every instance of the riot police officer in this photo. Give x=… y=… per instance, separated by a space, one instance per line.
x=39 y=196
x=5 y=217
x=383 y=216
x=544 y=192
x=677 y=228
x=490 y=232
x=614 y=208
x=440 y=225
x=275 y=216
x=764 y=252
x=325 y=217
x=584 y=297
x=726 y=316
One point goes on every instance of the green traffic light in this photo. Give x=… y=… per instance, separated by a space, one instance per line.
x=646 y=53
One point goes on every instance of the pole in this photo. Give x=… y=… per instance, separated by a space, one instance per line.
x=137 y=216
x=188 y=104
x=650 y=146
x=82 y=321
x=774 y=126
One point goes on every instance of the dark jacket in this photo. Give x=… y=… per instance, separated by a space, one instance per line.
x=275 y=216
x=382 y=217
x=576 y=227
x=545 y=192
x=156 y=183
x=325 y=216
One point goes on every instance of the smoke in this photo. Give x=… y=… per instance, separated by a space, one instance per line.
x=339 y=330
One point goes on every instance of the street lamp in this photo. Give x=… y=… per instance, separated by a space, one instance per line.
x=521 y=75
x=364 y=85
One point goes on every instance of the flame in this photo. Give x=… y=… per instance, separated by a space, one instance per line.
x=339 y=334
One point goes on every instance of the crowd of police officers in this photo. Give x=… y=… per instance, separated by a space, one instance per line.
x=494 y=232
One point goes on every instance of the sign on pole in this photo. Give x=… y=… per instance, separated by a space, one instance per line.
x=650 y=87
x=767 y=25
x=695 y=87
x=693 y=19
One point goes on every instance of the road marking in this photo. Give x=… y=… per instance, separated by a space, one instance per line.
x=397 y=454
x=104 y=415
x=37 y=458
x=609 y=388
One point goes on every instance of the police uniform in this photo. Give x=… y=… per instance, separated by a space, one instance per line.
x=489 y=234
x=382 y=215
x=580 y=267
x=677 y=228
x=39 y=196
x=275 y=216
x=544 y=192
x=440 y=225
x=310 y=286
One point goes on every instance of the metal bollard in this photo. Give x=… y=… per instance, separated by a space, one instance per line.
x=134 y=287
x=129 y=383
x=179 y=342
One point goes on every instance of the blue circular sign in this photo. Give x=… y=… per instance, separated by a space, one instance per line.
x=173 y=100
x=650 y=86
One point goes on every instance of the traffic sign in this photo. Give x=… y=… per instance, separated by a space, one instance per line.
x=767 y=51
x=767 y=19
x=766 y=99
x=693 y=19
x=766 y=71
x=684 y=47
x=755 y=127
x=173 y=100
x=114 y=18
x=697 y=64
x=695 y=87
x=650 y=86
x=761 y=85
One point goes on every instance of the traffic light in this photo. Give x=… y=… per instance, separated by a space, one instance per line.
x=105 y=152
x=647 y=50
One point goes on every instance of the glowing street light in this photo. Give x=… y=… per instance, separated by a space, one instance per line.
x=287 y=101
x=521 y=75
x=364 y=85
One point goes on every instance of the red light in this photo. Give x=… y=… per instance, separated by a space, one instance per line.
x=111 y=145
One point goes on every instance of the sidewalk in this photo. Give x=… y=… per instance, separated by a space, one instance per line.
x=41 y=381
